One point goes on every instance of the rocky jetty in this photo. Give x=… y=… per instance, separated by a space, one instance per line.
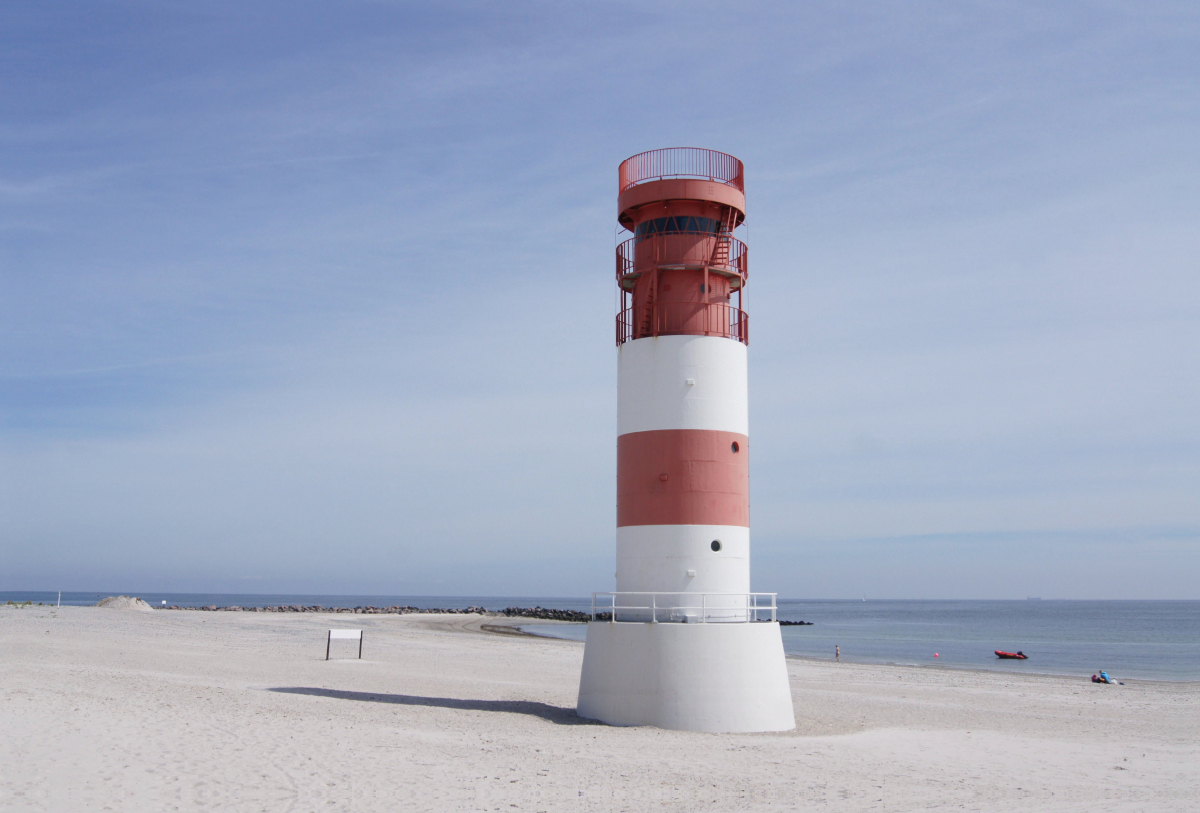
x=541 y=613
x=546 y=614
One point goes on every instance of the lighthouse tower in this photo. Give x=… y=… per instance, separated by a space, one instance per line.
x=682 y=643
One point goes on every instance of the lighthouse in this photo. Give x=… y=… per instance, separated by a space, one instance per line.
x=682 y=643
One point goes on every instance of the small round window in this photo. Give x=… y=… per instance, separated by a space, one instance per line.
x=734 y=447
x=716 y=545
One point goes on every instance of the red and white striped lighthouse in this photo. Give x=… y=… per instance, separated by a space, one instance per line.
x=682 y=620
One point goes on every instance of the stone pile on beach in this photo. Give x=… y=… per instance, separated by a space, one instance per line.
x=542 y=613
x=546 y=614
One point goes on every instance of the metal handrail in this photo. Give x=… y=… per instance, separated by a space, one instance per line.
x=721 y=253
x=683 y=319
x=682 y=162
x=711 y=609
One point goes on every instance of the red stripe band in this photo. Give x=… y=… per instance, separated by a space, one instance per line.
x=683 y=477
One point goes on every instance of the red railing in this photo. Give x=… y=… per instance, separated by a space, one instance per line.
x=682 y=162
x=683 y=318
x=637 y=255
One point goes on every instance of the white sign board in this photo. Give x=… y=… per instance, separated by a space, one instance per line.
x=353 y=635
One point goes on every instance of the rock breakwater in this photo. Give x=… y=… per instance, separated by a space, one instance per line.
x=540 y=613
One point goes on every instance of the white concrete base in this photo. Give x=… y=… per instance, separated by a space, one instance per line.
x=688 y=677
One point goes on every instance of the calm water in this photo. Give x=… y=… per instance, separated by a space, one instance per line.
x=1157 y=640
x=1139 y=639
x=1144 y=639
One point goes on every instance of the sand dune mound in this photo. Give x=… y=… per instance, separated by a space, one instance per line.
x=124 y=603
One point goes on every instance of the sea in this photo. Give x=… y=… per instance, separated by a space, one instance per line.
x=1145 y=640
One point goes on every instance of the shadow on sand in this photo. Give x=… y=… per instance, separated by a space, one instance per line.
x=554 y=714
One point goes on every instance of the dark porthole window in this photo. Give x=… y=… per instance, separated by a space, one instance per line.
x=734 y=447
x=716 y=545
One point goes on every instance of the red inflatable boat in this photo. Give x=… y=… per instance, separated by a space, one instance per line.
x=1020 y=656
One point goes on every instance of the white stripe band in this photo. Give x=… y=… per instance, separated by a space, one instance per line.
x=680 y=558
x=682 y=382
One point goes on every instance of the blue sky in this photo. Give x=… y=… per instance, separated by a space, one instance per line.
x=319 y=297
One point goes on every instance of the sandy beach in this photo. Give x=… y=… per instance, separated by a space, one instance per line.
x=123 y=710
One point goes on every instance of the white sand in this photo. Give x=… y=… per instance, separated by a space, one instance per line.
x=176 y=710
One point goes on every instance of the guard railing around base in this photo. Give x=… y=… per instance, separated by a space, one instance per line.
x=683 y=608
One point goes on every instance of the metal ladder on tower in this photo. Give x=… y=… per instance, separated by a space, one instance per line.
x=723 y=244
x=647 y=325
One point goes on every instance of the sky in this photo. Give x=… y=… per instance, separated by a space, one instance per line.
x=319 y=297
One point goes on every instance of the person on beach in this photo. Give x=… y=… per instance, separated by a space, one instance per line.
x=837 y=654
